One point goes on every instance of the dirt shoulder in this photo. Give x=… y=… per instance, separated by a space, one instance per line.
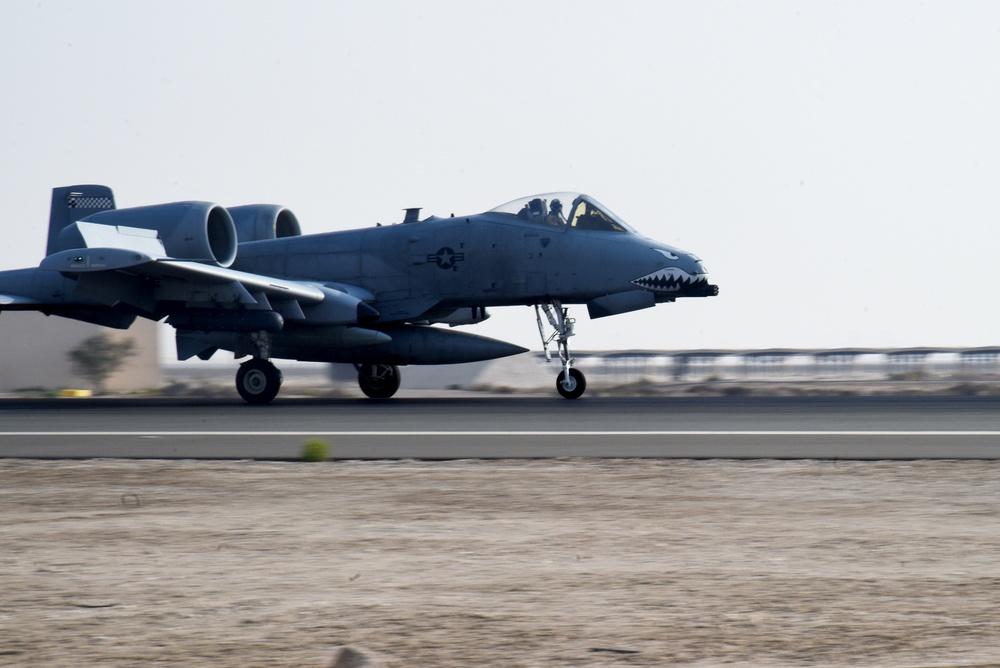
x=513 y=563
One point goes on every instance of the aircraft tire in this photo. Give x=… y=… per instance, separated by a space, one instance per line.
x=258 y=381
x=575 y=387
x=378 y=381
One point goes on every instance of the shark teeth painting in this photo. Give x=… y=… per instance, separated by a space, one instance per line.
x=672 y=279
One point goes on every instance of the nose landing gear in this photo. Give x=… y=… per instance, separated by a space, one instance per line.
x=571 y=383
x=572 y=386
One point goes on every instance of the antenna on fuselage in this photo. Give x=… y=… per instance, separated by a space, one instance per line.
x=412 y=215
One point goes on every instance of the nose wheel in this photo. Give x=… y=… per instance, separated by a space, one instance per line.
x=571 y=383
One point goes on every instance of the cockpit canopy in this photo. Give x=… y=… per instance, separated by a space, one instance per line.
x=565 y=209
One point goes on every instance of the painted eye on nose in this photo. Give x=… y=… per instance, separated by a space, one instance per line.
x=667 y=254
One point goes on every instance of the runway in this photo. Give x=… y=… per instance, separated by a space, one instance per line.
x=507 y=427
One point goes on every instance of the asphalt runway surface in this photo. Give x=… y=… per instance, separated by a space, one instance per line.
x=487 y=427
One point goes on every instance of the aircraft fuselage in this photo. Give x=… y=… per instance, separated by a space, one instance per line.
x=246 y=280
x=483 y=260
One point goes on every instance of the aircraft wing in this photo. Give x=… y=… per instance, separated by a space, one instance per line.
x=142 y=278
x=91 y=260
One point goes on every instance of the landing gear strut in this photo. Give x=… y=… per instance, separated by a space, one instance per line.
x=258 y=380
x=571 y=383
x=378 y=381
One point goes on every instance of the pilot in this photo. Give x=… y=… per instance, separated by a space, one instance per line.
x=555 y=217
x=533 y=210
x=537 y=207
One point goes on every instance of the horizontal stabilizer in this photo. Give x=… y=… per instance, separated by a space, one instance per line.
x=80 y=260
x=96 y=235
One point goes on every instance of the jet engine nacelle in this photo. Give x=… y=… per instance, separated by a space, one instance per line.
x=199 y=231
x=259 y=222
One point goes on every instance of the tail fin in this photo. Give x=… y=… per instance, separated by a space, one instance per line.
x=71 y=203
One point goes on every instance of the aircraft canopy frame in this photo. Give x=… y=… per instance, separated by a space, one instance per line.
x=566 y=210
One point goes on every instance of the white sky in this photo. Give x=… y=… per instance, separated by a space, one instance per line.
x=835 y=164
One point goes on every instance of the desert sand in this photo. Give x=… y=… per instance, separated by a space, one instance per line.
x=500 y=563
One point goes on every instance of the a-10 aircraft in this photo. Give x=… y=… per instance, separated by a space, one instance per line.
x=246 y=280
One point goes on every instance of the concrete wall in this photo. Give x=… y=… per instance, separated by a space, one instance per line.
x=34 y=347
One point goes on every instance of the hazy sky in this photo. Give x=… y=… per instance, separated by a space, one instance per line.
x=835 y=164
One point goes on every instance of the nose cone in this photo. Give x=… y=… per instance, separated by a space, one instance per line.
x=680 y=275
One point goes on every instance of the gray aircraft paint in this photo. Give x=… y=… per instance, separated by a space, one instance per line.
x=245 y=280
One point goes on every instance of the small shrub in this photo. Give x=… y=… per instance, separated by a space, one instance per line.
x=98 y=357
x=315 y=450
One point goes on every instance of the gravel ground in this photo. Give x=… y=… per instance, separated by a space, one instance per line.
x=500 y=563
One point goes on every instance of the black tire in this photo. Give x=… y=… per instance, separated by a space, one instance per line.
x=258 y=381
x=575 y=387
x=378 y=381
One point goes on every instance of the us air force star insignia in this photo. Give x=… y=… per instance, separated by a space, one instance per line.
x=446 y=258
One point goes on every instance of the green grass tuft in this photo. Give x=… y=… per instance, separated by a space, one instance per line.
x=315 y=450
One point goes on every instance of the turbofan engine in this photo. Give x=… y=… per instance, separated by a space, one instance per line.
x=198 y=231
x=260 y=222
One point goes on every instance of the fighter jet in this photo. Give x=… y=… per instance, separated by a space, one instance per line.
x=246 y=280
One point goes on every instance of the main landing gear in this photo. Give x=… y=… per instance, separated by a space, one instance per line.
x=258 y=380
x=571 y=383
x=378 y=381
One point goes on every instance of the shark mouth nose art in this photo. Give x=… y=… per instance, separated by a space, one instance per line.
x=672 y=279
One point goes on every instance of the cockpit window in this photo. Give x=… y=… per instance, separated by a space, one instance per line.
x=541 y=210
x=585 y=213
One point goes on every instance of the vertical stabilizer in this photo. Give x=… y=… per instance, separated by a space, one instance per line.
x=71 y=203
